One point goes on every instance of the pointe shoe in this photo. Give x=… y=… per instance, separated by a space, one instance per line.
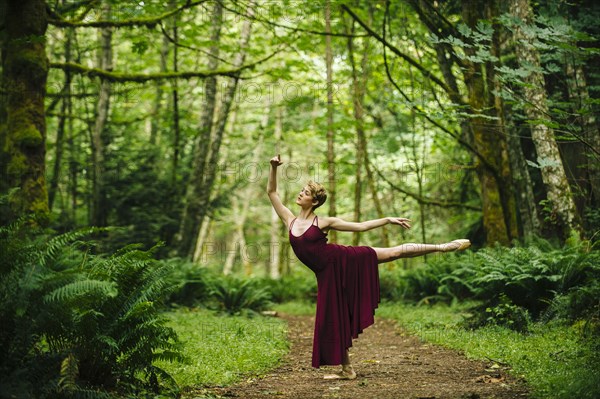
x=463 y=244
x=344 y=375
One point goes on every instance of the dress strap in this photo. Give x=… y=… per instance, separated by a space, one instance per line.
x=292 y=224
x=316 y=218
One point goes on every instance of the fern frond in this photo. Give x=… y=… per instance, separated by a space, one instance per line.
x=77 y=289
x=57 y=244
x=69 y=370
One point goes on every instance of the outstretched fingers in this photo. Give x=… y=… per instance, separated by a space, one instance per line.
x=404 y=222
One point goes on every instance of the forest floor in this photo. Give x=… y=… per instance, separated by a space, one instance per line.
x=389 y=363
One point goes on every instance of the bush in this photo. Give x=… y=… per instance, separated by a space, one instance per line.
x=235 y=296
x=191 y=283
x=537 y=281
x=76 y=324
x=292 y=288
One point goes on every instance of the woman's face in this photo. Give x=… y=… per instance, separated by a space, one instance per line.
x=304 y=198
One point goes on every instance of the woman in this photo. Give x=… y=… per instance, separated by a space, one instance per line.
x=347 y=277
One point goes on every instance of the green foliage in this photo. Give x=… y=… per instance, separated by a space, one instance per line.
x=77 y=324
x=191 y=283
x=234 y=295
x=535 y=281
x=221 y=350
x=509 y=315
x=296 y=287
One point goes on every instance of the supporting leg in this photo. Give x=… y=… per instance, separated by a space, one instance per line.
x=347 y=373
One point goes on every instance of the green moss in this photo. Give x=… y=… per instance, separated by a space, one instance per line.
x=32 y=59
x=21 y=126
x=17 y=166
x=29 y=137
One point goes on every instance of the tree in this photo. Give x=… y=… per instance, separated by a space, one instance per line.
x=331 y=169
x=22 y=113
x=549 y=159
x=100 y=137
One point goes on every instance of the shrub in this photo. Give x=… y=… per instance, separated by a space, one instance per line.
x=292 y=288
x=191 y=284
x=234 y=295
x=536 y=280
x=76 y=324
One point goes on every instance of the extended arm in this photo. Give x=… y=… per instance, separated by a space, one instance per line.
x=284 y=213
x=342 y=225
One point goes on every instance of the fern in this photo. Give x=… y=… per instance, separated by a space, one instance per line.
x=95 y=320
x=74 y=291
x=69 y=370
x=235 y=295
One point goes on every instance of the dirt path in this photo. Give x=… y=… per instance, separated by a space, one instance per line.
x=389 y=365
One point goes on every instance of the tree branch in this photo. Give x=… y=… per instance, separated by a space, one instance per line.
x=57 y=20
x=424 y=200
x=141 y=77
x=396 y=51
x=313 y=32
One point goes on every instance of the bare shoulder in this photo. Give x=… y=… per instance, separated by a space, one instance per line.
x=326 y=222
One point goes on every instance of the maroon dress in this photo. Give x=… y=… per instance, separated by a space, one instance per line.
x=347 y=291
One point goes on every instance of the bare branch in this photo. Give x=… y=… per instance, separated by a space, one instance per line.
x=57 y=20
x=424 y=200
x=396 y=51
x=293 y=29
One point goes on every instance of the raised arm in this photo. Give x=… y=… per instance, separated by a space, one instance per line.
x=284 y=213
x=335 y=223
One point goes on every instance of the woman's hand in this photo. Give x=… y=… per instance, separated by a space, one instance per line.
x=276 y=161
x=401 y=221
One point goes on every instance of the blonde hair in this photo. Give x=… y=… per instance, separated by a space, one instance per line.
x=318 y=192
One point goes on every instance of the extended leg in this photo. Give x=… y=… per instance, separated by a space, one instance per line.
x=411 y=250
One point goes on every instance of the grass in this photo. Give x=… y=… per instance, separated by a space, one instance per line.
x=552 y=358
x=222 y=350
x=296 y=308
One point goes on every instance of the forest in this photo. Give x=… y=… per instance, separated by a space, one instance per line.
x=135 y=139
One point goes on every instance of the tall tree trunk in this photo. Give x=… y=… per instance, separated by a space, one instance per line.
x=586 y=119
x=99 y=139
x=357 y=103
x=499 y=214
x=275 y=247
x=528 y=222
x=175 y=96
x=22 y=114
x=73 y=162
x=189 y=227
x=158 y=100
x=499 y=219
x=200 y=247
x=206 y=179
x=552 y=169
x=330 y=136
x=504 y=178
x=375 y=196
x=61 y=124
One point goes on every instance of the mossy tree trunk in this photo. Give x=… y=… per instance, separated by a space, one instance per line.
x=22 y=114
x=549 y=159
x=499 y=207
